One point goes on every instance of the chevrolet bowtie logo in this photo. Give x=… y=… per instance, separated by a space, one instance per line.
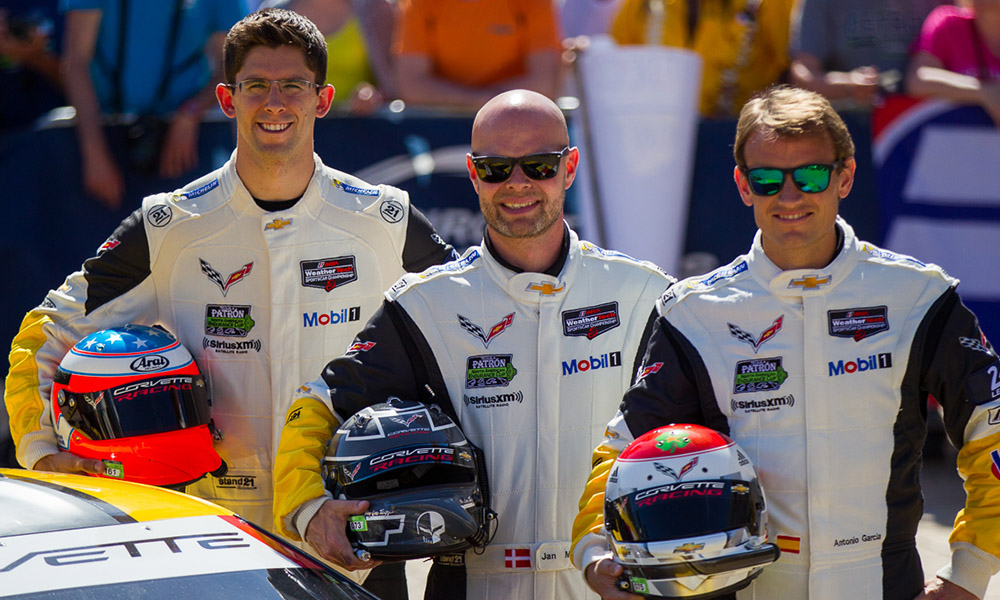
x=809 y=282
x=545 y=289
x=277 y=224
x=689 y=547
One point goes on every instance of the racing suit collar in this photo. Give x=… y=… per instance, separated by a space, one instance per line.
x=805 y=282
x=553 y=270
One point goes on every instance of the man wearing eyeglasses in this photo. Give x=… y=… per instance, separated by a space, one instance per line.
x=263 y=268
x=529 y=339
x=816 y=351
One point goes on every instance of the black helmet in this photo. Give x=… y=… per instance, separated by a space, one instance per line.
x=420 y=475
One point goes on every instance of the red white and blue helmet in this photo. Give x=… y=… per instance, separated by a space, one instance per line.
x=133 y=397
x=685 y=515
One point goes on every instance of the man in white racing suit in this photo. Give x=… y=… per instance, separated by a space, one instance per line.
x=261 y=268
x=816 y=352
x=527 y=338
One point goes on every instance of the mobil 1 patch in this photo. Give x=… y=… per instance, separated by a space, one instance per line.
x=858 y=323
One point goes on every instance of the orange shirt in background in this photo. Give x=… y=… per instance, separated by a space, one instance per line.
x=477 y=42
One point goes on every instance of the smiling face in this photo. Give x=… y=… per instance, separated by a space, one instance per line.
x=521 y=207
x=274 y=128
x=797 y=228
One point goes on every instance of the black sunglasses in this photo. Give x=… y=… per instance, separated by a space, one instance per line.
x=811 y=179
x=498 y=169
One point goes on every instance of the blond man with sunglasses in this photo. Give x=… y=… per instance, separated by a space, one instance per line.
x=530 y=339
x=816 y=351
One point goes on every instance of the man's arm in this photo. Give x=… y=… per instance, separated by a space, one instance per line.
x=927 y=77
x=424 y=247
x=374 y=368
x=102 y=177
x=961 y=369
x=671 y=386
x=112 y=288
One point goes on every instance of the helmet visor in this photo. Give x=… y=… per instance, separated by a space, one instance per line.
x=684 y=510
x=154 y=405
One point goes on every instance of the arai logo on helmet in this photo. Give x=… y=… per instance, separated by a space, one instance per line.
x=150 y=362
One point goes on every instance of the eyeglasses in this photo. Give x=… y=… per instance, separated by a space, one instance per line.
x=261 y=87
x=811 y=179
x=498 y=169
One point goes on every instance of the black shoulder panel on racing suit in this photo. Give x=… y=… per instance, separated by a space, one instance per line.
x=120 y=265
x=424 y=247
x=678 y=390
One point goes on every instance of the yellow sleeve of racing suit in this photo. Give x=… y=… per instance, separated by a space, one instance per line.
x=590 y=519
x=309 y=425
x=975 y=539
x=27 y=408
x=588 y=527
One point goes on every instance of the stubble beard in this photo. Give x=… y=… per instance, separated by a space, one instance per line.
x=525 y=227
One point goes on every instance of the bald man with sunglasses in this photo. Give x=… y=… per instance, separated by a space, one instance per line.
x=816 y=351
x=560 y=322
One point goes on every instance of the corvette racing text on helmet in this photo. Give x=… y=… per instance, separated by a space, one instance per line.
x=133 y=397
x=421 y=476
x=685 y=515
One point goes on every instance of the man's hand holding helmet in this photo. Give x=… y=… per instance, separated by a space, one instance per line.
x=67 y=462
x=603 y=575
x=327 y=533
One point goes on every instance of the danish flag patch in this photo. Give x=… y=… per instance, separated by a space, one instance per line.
x=517 y=558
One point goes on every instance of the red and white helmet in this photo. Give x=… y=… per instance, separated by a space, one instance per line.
x=685 y=514
x=133 y=397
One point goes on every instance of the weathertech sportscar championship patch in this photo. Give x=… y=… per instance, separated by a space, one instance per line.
x=858 y=323
x=328 y=273
x=590 y=321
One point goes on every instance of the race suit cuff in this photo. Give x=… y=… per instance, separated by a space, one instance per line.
x=590 y=548
x=29 y=454
x=970 y=568
x=307 y=511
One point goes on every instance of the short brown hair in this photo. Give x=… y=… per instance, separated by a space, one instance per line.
x=786 y=111
x=271 y=28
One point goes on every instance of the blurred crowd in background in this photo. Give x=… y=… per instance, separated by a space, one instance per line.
x=109 y=57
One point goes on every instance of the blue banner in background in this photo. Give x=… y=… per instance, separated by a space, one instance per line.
x=939 y=185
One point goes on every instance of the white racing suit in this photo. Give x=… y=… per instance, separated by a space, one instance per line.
x=532 y=364
x=261 y=299
x=822 y=376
